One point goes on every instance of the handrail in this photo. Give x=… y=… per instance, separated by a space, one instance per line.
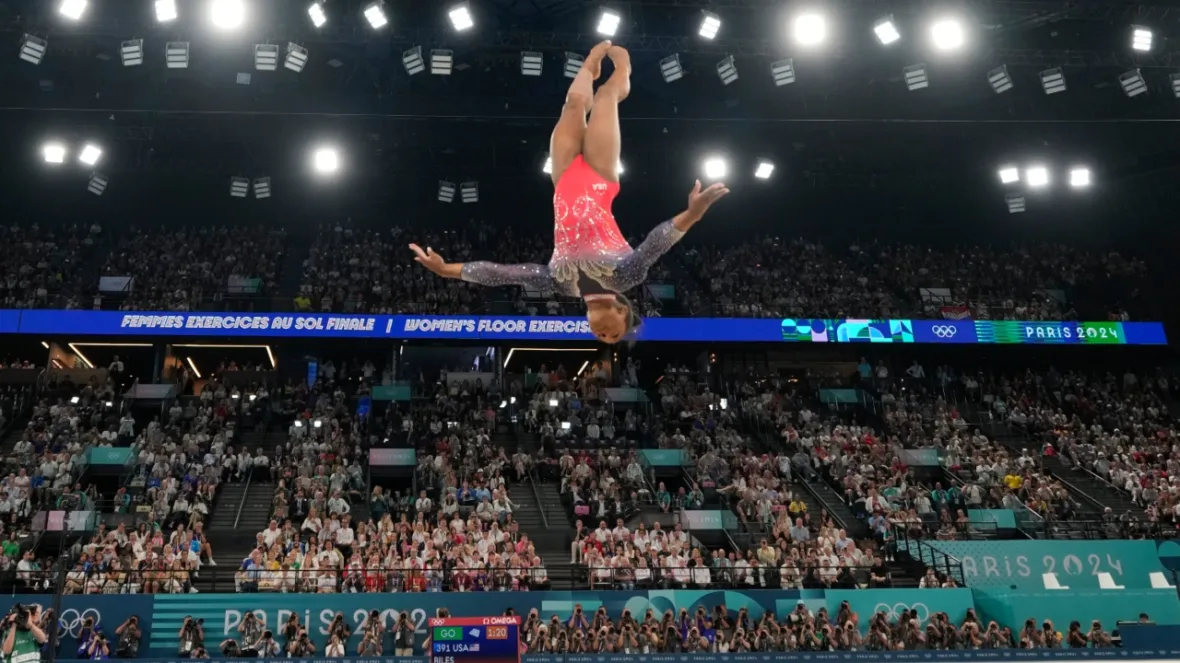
x=242 y=503
x=930 y=556
x=537 y=496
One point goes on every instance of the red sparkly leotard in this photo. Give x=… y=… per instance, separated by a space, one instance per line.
x=586 y=242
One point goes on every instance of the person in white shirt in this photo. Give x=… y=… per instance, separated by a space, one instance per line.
x=423 y=504
x=338 y=506
x=271 y=533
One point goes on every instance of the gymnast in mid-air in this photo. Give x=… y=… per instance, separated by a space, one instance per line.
x=591 y=259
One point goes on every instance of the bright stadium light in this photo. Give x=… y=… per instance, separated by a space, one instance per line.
x=469 y=192
x=176 y=54
x=72 y=9
x=810 y=29
x=710 y=25
x=296 y=57
x=915 y=77
x=999 y=79
x=90 y=154
x=1053 y=80
x=165 y=10
x=1079 y=177
x=228 y=14
x=547 y=167
x=783 y=72
x=1037 y=176
x=727 y=70
x=261 y=191
x=715 y=168
x=132 y=52
x=608 y=22
x=1174 y=79
x=239 y=187
x=531 y=63
x=32 y=48
x=375 y=15
x=326 y=160
x=764 y=170
x=446 y=191
x=461 y=17
x=1133 y=83
x=266 y=57
x=1140 y=38
x=1009 y=174
x=671 y=69
x=886 y=31
x=413 y=62
x=573 y=64
x=316 y=11
x=442 y=61
x=1016 y=203
x=97 y=183
x=54 y=153
x=947 y=34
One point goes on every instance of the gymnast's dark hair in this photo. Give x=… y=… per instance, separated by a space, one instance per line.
x=634 y=322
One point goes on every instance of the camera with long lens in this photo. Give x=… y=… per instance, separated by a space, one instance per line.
x=19 y=616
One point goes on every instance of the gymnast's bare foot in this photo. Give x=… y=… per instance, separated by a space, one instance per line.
x=593 y=62
x=620 y=80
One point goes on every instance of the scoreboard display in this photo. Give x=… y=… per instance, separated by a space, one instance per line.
x=475 y=640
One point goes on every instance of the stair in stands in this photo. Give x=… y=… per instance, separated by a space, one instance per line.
x=554 y=508
x=1104 y=493
x=529 y=443
x=13 y=436
x=228 y=499
x=256 y=509
x=1090 y=493
x=833 y=503
x=505 y=440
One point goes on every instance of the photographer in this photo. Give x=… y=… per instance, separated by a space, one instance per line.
x=129 y=636
x=251 y=629
x=301 y=646
x=266 y=645
x=23 y=639
x=403 y=636
x=99 y=648
x=335 y=648
x=192 y=635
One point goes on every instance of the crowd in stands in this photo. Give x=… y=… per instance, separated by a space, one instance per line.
x=356 y=270
x=455 y=532
x=178 y=463
x=41 y=263
x=781 y=278
x=179 y=269
x=1119 y=428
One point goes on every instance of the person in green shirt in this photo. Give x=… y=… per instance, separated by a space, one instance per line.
x=9 y=548
x=23 y=640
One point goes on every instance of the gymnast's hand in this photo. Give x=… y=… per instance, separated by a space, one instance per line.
x=698 y=203
x=435 y=263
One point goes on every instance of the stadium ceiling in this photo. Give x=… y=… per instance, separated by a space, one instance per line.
x=355 y=70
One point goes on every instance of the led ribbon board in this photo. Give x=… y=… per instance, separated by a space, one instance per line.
x=77 y=324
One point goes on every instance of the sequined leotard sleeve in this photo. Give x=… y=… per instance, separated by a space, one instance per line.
x=632 y=268
x=529 y=274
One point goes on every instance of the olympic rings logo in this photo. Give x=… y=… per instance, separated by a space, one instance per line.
x=71 y=620
x=894 y=611
x=944 y=331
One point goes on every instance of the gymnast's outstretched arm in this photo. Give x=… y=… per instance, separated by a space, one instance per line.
x=664 y=236
x=529 y=275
